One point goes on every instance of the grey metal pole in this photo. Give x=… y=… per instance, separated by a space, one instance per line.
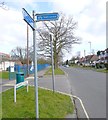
x=90 y=47
x=35 y=66
x=52 y=60
x=27 y=51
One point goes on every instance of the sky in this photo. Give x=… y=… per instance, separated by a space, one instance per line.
x=90 y=15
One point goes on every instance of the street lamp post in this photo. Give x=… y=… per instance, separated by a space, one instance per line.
x=90 y=46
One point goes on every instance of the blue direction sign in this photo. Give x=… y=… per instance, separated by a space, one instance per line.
x=28 y=18
x=47 y=17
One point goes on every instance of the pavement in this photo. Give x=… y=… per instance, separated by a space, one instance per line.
x=45 y=81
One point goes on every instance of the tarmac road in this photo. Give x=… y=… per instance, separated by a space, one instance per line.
x=5 y=85
x=90 y=86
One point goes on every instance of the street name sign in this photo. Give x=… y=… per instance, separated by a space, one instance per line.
x=19 y=85
x=27 y=18
x=47 y=17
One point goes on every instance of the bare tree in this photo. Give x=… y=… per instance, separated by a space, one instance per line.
x=20 y=54
x=3 y=5
x=63 y=37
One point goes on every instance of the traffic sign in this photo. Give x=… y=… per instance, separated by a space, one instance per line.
x=28 y=18
x=47 y=17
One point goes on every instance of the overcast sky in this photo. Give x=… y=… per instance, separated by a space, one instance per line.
x=90 y=15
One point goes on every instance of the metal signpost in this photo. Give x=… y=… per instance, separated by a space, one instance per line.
x=52 y=60
x=35 y=65
x=32 y=23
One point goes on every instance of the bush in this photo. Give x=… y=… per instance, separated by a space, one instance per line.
x=100 y=65
x=106 y=65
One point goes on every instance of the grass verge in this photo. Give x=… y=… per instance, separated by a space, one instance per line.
x=102 y=70
x=4 y=75
x=91 y=68
x=51 y=105
x=57 y=71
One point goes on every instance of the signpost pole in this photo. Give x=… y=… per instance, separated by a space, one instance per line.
x=32 y=23
x=35 y=65
x=27 y=50
x=52 y=60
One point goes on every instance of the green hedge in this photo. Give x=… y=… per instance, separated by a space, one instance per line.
x=106 y=65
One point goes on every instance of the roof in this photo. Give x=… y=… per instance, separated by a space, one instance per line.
x=4 y=55
x=94 y=58
x=82 y=59
x=88 y=57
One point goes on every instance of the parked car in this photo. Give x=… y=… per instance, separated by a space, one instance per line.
x=86 y=64
x=93 y=64
x=66 y=65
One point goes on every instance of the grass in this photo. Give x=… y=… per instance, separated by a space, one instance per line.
x=57 y=71
x=51 y=105
x=4 y=75
x=102 y=70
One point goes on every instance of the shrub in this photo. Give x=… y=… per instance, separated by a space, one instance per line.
x=100 y=65
x=106 y=65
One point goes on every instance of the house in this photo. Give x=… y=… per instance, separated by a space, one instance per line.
x=106 y=55
x=5 y=64
x=81 y=59
x=4 y=56
x=94 y=58
x=5 y=61
x=87 y=60
x=103 y=55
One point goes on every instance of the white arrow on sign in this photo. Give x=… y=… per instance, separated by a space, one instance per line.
x=27 y=18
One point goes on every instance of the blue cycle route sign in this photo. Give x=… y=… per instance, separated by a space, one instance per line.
x=27 y=18
x=47 y=17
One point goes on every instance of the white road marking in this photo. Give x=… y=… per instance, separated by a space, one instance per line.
x=73 y=97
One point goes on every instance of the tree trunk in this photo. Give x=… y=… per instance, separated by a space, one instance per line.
x=55 y=61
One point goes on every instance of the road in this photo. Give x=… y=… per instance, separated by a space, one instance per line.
x=3 y=86
x=90 y=86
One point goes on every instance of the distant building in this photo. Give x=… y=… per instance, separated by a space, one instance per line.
x=5 y=61
x=94 y=58
x=4 y=56
x=104 y=55
x=5 y=65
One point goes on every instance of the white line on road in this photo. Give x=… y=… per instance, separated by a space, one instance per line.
x=81 y=105
x=75 y=97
